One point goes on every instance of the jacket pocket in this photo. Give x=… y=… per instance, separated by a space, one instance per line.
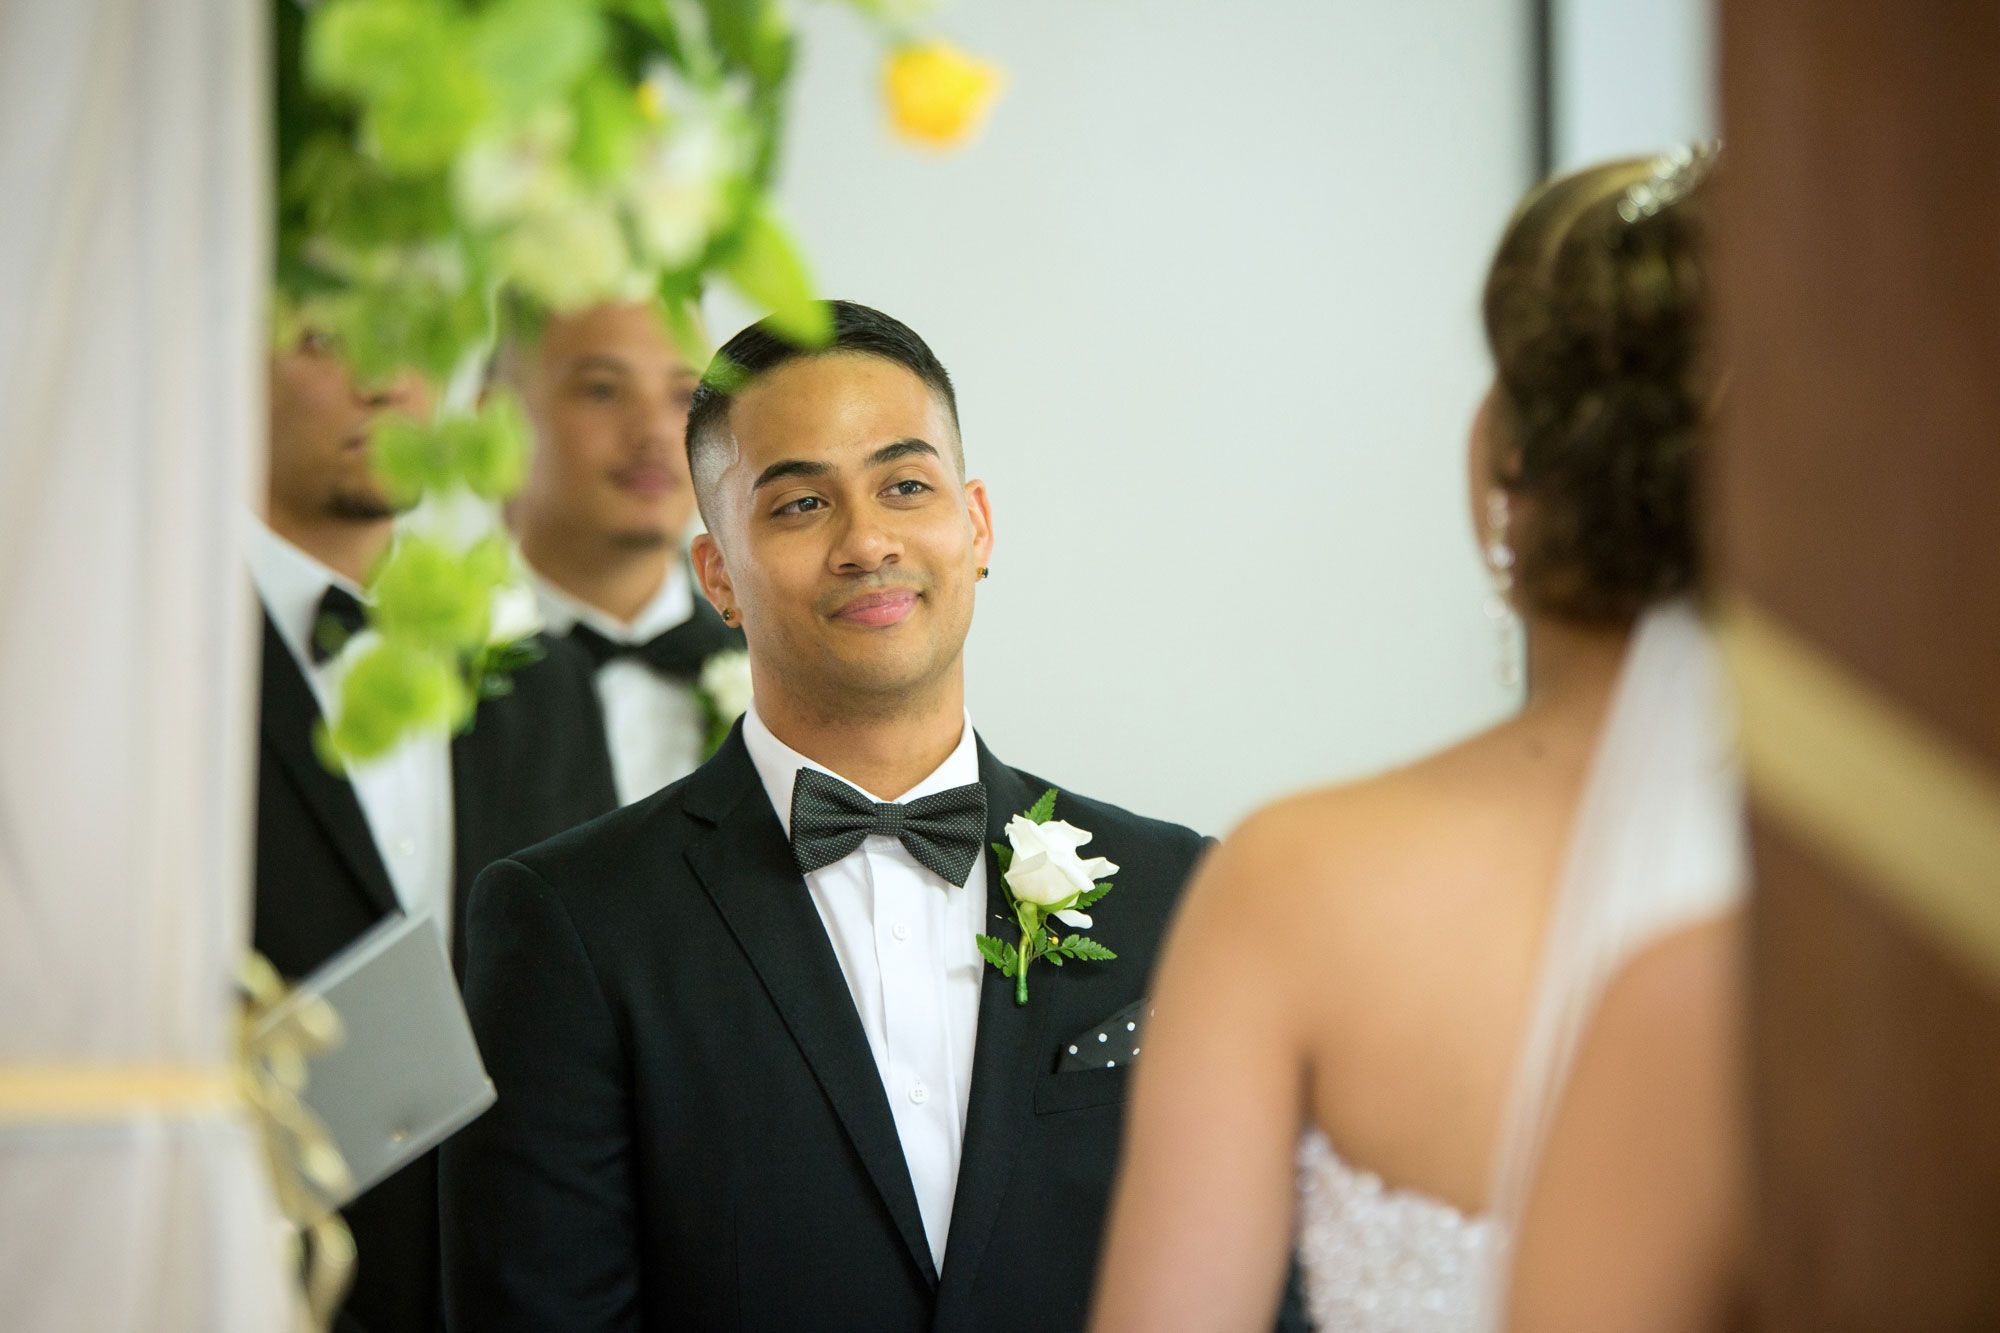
x=1081 y=1090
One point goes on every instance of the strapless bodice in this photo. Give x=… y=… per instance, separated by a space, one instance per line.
x=1377 y=1260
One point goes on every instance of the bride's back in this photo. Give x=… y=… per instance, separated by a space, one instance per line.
x=1418 y=903
x=1426 y=894
x=1366 y=965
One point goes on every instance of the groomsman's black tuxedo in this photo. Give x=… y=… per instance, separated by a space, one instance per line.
x=533 y=764
x=691 y=1131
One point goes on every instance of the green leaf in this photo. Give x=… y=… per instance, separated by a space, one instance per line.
x=408 y=321
x=999 y=953
x=429 y=596
x=492 y=454
x=1044 y=809
x=724 y=375
x=330 y=757
x=495 y=685
x=533 y=50
x=420 y=123
x=404 y=61
x=608 y=125
x=680 y=310
x=507 y=658
x=1084 y=900
x=752 y=33
x=1086 y=949
x=1005 y=855
x=361 y=47
x=409 y=457
x=765 y=266
x=332 y=193
x=390 y=691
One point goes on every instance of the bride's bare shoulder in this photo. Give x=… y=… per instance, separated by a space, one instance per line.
x=1407 y=838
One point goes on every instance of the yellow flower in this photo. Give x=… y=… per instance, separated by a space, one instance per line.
x=937 y=94
x=653 y=101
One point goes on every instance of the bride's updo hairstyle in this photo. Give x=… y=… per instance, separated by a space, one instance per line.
x=1596 y=309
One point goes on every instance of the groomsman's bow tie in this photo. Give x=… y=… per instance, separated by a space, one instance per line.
x=943 y=831
x=338 y=619
x=678 y=653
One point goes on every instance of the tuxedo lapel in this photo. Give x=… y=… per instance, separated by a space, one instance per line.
x=746 y=866
x=289 y=714
x=473 y=807
x=1005 y=1061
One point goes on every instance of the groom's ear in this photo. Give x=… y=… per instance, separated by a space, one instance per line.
x=979 y=508
x=712 y=573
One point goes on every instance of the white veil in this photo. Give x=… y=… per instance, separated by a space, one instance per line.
x=1658 y=845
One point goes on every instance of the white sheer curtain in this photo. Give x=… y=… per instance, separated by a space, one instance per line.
x=133 y=213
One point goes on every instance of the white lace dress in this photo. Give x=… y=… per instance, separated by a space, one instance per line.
x=1389 y=1260
x=1657 y=847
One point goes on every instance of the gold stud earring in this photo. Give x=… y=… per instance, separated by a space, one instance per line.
x=729 y=615
x=982 y=571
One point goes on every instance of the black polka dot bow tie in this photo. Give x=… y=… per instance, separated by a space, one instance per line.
x=944 y=831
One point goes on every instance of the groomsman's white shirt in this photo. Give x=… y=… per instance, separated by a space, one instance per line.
x=655 y=727
x=904 y=938
x=406 y=794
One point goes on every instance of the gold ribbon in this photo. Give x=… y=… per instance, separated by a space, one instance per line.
x=279 y=1033
x=1908 y=810
x=57 y=1093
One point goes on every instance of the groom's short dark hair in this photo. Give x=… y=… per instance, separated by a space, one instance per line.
x=760 y=349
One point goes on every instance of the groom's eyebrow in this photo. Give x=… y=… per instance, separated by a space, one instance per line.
x=903 y=448
x=790 y=467
x=807 y=467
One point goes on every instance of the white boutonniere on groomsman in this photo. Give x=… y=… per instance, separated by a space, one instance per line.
x=1046 y=880
x=723 y=691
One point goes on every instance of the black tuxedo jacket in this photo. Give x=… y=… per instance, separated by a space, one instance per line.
x=533 y=764
x=691 y=1132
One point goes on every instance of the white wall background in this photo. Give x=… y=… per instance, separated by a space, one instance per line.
x=1631 y=76
x=1208 y=286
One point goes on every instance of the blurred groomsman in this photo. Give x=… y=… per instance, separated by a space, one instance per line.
x=603 y=521
x=404 y=833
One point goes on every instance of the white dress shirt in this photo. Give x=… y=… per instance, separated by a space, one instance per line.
x=655 y=727
x=904 y=938
x=406 y=794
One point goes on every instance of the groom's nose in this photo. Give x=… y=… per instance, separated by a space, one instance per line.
x=864 y=542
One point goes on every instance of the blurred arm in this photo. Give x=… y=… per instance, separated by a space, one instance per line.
x=1634 y=1222
x=1200 y=1235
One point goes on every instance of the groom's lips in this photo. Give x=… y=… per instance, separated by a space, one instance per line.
x=878 y=608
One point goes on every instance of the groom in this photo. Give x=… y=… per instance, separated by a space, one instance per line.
x=753 y=1075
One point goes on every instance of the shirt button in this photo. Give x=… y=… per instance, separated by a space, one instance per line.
x=406 y=846
x=901 y=930
x=919 y=1094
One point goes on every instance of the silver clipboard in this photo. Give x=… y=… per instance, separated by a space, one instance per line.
x=407 y=1076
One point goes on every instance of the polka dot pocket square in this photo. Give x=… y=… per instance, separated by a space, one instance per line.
x=1112 y=1044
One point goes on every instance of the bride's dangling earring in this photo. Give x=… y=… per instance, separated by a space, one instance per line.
x=1499 y=609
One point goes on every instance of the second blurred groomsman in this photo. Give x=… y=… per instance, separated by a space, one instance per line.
x=603 y=521
x=403 y=833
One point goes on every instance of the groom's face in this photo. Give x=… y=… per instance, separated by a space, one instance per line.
x=844 y=534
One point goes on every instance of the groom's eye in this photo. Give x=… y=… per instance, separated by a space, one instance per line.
x=805 y=504
x=908 y=487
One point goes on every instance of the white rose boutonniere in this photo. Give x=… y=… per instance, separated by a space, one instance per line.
x=724 y=692
x=1046 y=880
x=516 y=615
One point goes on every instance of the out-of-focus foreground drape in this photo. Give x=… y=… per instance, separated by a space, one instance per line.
x=133 y=218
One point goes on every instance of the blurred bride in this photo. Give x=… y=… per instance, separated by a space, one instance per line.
x=1374 y=993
